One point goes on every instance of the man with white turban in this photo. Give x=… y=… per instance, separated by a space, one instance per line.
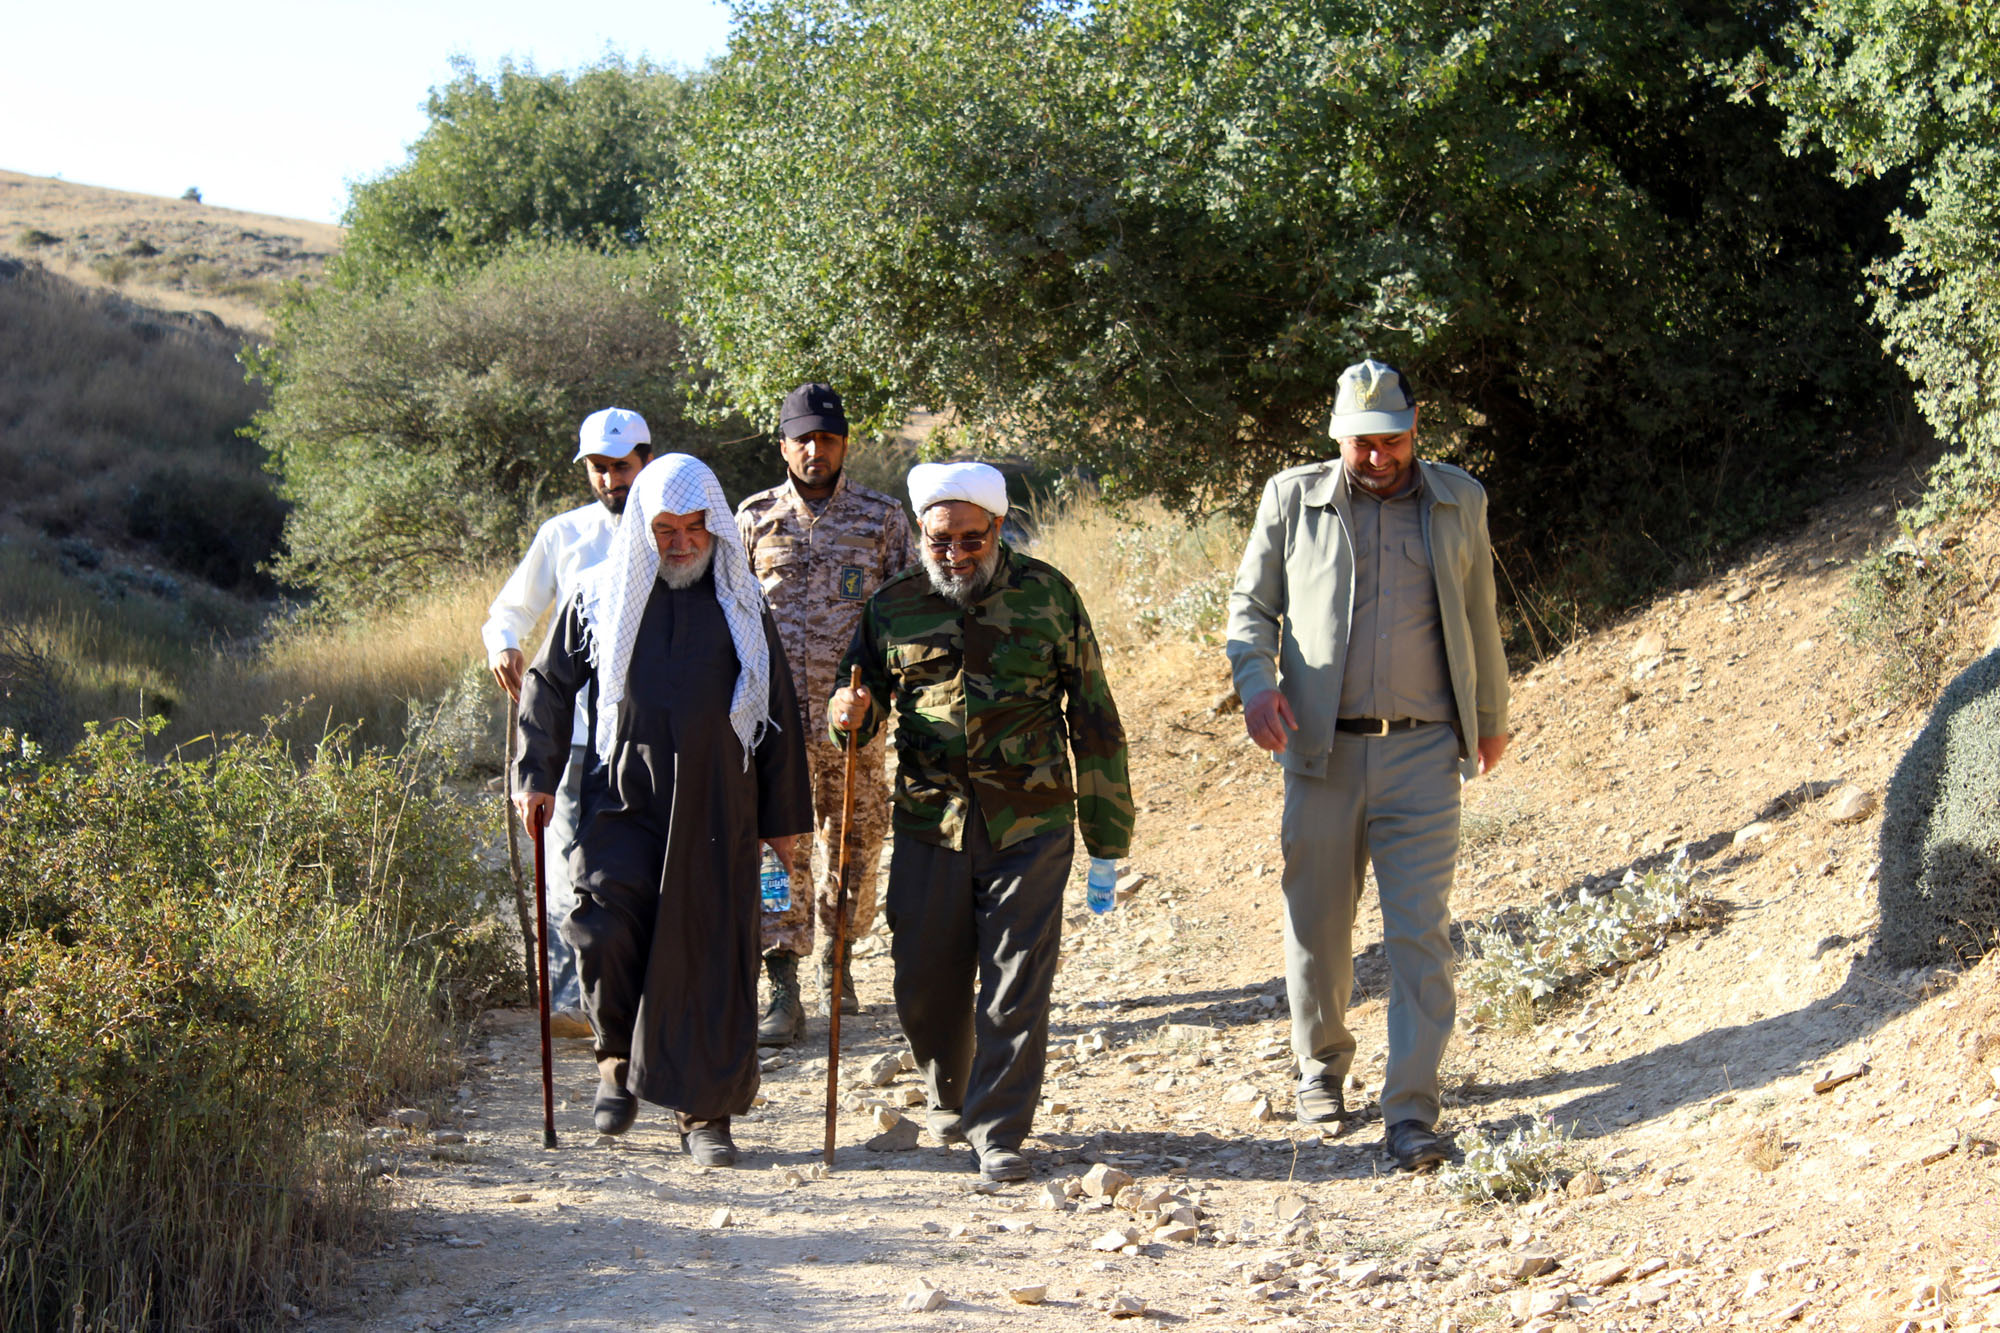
x=988 y=658
x=697 y=757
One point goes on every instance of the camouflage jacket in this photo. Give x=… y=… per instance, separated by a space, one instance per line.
x=990 y=700
x=818 y=571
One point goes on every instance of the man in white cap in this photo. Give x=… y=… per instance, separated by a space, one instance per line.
x=696 y=760
x=613 y=444
x=987 y=657
x=1365 y=643
x=821 y=545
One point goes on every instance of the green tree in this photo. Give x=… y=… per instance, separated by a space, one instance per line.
x=1147 y=235
x=426 y=428
x=1907 y=92
x=519 y=156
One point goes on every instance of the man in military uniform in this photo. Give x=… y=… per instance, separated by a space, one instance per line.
x=821 y=546
x=988 y=659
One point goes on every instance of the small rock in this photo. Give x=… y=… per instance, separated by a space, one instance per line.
x=520 y=1198
x=1116 y=1239
x=447 y=1137
x=1584 y=1184
x=1761 y=831
x=1176 y=1233
x=1126 y=1306
x=1789 y=1313
x=411 y=1117
x=721 y=1218
x=899 y=1137
x=1034 y=1295
x=1603 y=1273
x=1142 y=1198
x=1755 y=1285
x=1103 y=1181
x=1051 y=1196
x=1849 y=804
x=1291 y=1207
x=906 y=1060
x=1839 y=1074
x=1359 y=1275
x=1650 y=644
x=1526 y=1263
x=885 y=1117
x=1268 y=1271
x=1239 y=1094
x=1260 y=1110
x=1646 y=1294
x=925 y=1296
x=882 y=1070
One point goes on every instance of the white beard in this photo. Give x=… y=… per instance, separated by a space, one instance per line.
x=965 y=591
x=686 y=573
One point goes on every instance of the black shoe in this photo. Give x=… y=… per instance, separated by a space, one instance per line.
x=1320 y=1102
x=1413 y=1145
x=785 y=1021
x=1002 y=1166
x=708 y=1142
x=850 y=1003
x=615 y=1108
x=944 y=1126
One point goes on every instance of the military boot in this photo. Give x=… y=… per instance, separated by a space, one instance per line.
x=850 y=1003
x=785 y=1020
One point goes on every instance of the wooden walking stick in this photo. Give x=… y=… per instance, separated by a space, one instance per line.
x=542 y=983
x=839 y=942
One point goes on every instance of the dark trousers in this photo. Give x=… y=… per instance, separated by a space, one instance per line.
x=988 y=917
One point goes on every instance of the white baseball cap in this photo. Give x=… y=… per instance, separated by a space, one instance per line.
x=1372 y=400
x=611 y=432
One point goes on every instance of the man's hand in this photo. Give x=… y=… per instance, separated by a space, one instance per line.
x=1490 y=750
x=507 y=671
x=1268 y=718
x=783 y=847
x=536 y=808
x=848 y=709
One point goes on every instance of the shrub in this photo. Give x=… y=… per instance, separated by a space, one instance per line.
x=1528 y=1160
x=1939 y=890
x=209 y=967
x=34 y=238
x=36 y=686
x=114 y=269
x=1901 y=606
x=216 y=526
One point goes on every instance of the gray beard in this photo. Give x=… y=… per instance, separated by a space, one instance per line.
x=965 y=591
x=686 y=574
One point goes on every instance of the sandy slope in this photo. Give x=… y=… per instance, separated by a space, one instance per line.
x=1734 y=1194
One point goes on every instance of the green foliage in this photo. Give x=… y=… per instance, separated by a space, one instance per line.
x=1905 y=92
x=217 y=526
x=1939 y=889
x=1146 y=236
x=37 y=689
x=1531 y=1158
x=208 y=968
x=1902 y=606
x=1508 y=973
x=424 y=428
x=519 y=156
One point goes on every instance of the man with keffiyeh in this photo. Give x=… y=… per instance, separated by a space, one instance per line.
x=697 y=759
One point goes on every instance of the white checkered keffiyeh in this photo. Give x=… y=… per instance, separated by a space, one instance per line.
x=614 y=598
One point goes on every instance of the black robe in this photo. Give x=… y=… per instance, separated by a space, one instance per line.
x=668 y=844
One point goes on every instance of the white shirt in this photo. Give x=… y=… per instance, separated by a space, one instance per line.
x=565 y=548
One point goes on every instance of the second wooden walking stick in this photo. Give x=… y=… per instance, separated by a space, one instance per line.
x=838 y=944
x=542 y=982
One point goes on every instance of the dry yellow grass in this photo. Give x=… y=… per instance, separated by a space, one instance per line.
x=1147 y=575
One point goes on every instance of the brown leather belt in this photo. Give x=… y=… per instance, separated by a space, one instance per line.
x=1374 y=726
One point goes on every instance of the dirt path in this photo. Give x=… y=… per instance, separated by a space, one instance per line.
x=1714 y=1186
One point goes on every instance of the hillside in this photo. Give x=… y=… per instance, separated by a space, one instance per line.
x=1707 y=1183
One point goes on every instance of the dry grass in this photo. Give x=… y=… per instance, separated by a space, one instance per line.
x=364 y=671
x=1149 y=577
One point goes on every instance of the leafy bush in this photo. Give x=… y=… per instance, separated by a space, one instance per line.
x=215 y=526
x=1939 y=888
x=425 y=429
x=1507 y=973
x=1532 y=1158
x=1146 y=237
x=36 y=689
x=209 y=967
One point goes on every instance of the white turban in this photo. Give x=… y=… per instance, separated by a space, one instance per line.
x=935 y=483
x=614 y=597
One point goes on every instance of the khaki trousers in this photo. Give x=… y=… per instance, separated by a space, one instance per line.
x=1392 y=800
x=816 y=863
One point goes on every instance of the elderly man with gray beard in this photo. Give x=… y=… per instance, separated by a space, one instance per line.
x=987 y=657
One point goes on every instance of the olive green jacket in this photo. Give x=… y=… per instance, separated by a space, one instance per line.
x=991 y=701
x=1293 y=602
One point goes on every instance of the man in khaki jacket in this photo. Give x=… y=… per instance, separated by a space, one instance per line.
x=1365 y=644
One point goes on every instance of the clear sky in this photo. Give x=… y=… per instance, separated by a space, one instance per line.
x=275 y=107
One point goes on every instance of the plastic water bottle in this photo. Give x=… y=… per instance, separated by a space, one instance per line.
x=775 y=882
x=1102 y=893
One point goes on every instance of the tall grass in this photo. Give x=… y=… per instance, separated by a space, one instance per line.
x=1148 y=576
x=212 y=971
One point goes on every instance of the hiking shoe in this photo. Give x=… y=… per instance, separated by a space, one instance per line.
x=850 y=1003
x=708 y=1142
x=784 y=1022
x=944 y=1126
x=1320 y=1102
x=1413 y=1145
x=1002 y=1166
x=615 y=1108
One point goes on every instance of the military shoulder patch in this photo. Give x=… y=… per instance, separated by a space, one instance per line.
x=853 y=584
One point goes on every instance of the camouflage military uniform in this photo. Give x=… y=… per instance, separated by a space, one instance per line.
x=818 y=571
x=990 y=703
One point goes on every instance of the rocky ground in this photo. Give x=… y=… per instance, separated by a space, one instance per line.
x=1767 y=1127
